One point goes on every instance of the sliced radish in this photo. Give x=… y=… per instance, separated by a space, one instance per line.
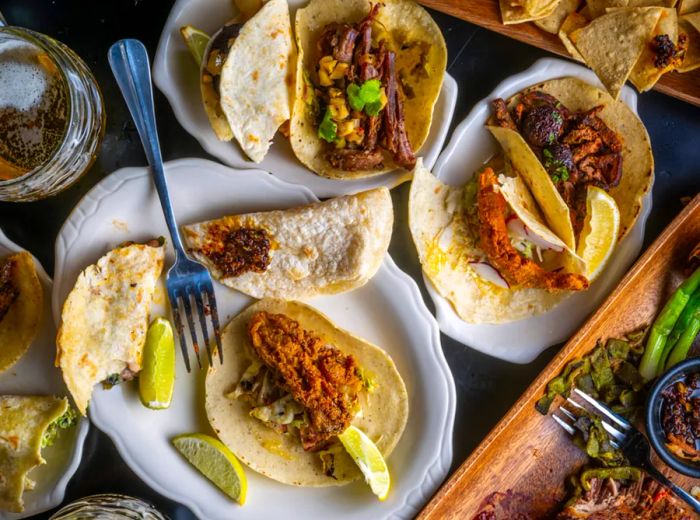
x=489 y=273
x=518 y=228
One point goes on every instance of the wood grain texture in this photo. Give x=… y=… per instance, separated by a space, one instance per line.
x=527 y=453
x=486 y=13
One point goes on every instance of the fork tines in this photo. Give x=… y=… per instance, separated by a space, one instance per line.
x=181 y=299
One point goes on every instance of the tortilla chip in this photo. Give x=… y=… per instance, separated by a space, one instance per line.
x=21 y=323
x=571 y=23
x=612 y=44
x=688 y=6
x=255 y=87
x=23 y=422
x=597 y=7
x=645 y=74
x=526 y=163
x=554 y=21
x=105 y=318
x=691 y=61
x=281 y=457
x=513 y=12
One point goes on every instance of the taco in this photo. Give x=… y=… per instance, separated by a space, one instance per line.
x=105 y=318
x=368 y=76
x=21 y=299
x=565 y=135
x=485 y=246
x=322 y=248
x=246 y=78
x=27 y=424
x=292 y=382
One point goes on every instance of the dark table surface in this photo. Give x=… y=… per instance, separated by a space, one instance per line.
x=478 y=60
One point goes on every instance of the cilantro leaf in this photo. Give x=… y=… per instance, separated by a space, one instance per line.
x=367 y=96
x=328 y=130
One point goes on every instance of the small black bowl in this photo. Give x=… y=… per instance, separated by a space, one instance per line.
x=656 y=434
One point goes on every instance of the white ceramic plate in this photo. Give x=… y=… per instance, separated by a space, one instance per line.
x=35 y=374
x=176 y=75
x=388 y=311
x=471 y=145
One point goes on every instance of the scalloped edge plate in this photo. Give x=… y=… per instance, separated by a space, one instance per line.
x=124 y=206
x=68 y=450
x=471 y=144
x=175 y=74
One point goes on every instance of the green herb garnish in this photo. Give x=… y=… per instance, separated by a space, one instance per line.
x=366 y=97
x=328 y=130
x=67 y=420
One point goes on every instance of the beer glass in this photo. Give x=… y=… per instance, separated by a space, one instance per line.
x=51 y=115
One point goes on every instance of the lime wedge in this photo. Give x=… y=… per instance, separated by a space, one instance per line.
x=369 y=459
x=600 y=231
x=196 y=41
x=157 y=376
x=216 y=462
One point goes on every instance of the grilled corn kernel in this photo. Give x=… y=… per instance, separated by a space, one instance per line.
x=335 y=92
x=383 y=98
x=327 y=64
x=357 y=136
x=324 y=79
x=338 y=108
x=345 y=128
x=339 y=70
x=340 y=142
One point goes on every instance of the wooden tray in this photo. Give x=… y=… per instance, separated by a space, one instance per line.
x=528 y=453
x=486 y=13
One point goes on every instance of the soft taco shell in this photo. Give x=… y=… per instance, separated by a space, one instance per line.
x=405 y=22
x=444 y=248
x=281 y=457
x=322 y=248
x=637 y=157
x=19 y=326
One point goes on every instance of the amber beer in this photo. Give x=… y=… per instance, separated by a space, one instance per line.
x=33 y=108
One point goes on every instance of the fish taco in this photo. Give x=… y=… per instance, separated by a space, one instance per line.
x=368 y=76
x=293 y=382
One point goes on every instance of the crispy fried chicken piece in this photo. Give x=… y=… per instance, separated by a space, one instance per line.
x=8 y=291
x=320 y=378
x=515 y=268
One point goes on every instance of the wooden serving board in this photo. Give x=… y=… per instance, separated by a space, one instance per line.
x=487 y=14
x=527 y=454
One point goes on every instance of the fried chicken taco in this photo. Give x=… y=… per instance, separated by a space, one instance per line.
x=246 y=78
x=368 y=76
x=21 y=299
x=564 y=136
x=293 y=382
x=321 y=248
x=485 y=246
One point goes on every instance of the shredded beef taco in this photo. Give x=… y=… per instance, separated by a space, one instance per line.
x=291 y=383
x=368 y=76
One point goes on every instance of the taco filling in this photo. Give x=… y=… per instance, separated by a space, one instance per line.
x=357 y=98
x=8 y=289
x=577 y=149
x=298 y=384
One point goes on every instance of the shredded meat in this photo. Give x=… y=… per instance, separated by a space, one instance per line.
x=320 y=378
x=666 y=54
x=394 y=123
x=8 y=290
x=351 y=160
x=611 y=500
x=501 y=115
x=515 y=268
x=237 y=251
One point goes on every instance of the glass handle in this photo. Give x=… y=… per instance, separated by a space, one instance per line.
x=131 y=68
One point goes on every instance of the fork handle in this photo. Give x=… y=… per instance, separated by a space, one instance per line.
x=677 y=490
x=131 y=68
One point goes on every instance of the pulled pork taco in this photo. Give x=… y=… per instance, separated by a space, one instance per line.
x=564 y=136
x=292 y=383
x=246 y=78
x=21 y=299
x=368 y=76
x=485 y=246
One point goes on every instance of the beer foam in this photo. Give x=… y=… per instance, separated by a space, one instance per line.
x=23 y=81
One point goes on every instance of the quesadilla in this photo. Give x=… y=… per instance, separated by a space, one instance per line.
x=322 y=248
x=291 y=383
x=105 y=319
x=21 y=303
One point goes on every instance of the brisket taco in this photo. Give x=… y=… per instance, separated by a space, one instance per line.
x=368 y=76
x=291 y=384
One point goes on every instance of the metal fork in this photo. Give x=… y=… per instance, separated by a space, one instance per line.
x=625 y=437
x=186 y=280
